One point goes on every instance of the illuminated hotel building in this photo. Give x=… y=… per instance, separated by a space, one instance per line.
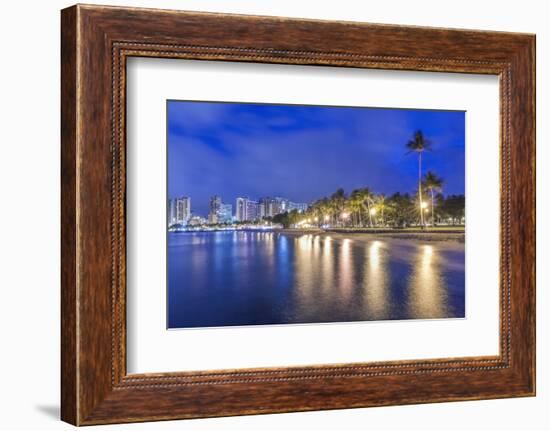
x=179 y=210
x=215 y=205
x=225 y=213
x=247 y=210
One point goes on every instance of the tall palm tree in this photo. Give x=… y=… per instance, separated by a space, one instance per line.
x=432 y=183
x=381 y=204
x=418 y=145
x=356 y=199
x=325 y=209
x=365 y=197
x=338 y=200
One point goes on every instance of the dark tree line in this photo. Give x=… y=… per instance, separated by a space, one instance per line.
x=361 y=208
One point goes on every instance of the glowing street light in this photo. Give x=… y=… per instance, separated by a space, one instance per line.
x=372 y=211
x=327 y=218
x=345 y=215
x=424 y=205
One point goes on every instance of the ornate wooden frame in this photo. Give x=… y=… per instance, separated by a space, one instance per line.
x=96 y=41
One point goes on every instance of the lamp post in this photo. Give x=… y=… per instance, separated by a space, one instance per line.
x=372 y=212
x=423 y=209
x=344 y=217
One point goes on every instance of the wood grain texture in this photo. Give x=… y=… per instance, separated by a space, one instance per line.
x=69 y=366
x=96 y=41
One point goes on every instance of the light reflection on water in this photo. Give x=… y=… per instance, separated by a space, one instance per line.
x=251 y=278
x=375 y=282
x=427 y=296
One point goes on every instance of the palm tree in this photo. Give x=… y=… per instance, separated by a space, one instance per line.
x=355 y=201
x=381 y=204
x=432 y=183
x=418 y=145
x=325 y=209
x=338 y=200
x=365 y=198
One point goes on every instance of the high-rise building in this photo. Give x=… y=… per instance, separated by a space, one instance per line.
x=252 y=210
x=219 y=212
x=280 y=205
x=298 y=206
x=247 y=209
x=225 y=213
x=215 y=205
x=240 y=209
x=179 y=210
x=269 y=207
x=265 y=207
x=197 y=221
x=171 y=211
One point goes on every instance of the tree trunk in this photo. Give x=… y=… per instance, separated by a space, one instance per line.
x=433 y=219
x=370 y=215
x=420 y=188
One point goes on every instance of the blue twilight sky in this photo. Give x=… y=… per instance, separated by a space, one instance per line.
x=304 y=152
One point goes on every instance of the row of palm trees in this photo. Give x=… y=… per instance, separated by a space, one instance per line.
x=364 y=208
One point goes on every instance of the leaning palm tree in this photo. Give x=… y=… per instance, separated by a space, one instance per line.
x=432 y=183
x=418 y=145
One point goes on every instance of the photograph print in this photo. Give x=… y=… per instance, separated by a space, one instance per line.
x=298 y=214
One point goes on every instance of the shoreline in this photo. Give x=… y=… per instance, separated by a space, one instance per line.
x=363 y=233
x=374 y=231
x=426 y=235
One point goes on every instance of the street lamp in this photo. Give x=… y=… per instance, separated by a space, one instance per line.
x=327 y=218
x=424 y=205
x=344 y=217
x=372 y=211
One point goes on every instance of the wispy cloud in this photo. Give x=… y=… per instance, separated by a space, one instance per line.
x=303 y=152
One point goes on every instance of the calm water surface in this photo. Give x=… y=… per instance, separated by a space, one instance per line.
x=255 y=278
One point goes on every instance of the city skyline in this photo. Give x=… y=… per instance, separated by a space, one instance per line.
x=180 y=210
x=302 y=152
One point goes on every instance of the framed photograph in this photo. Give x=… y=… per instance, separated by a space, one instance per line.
x=266 y=215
